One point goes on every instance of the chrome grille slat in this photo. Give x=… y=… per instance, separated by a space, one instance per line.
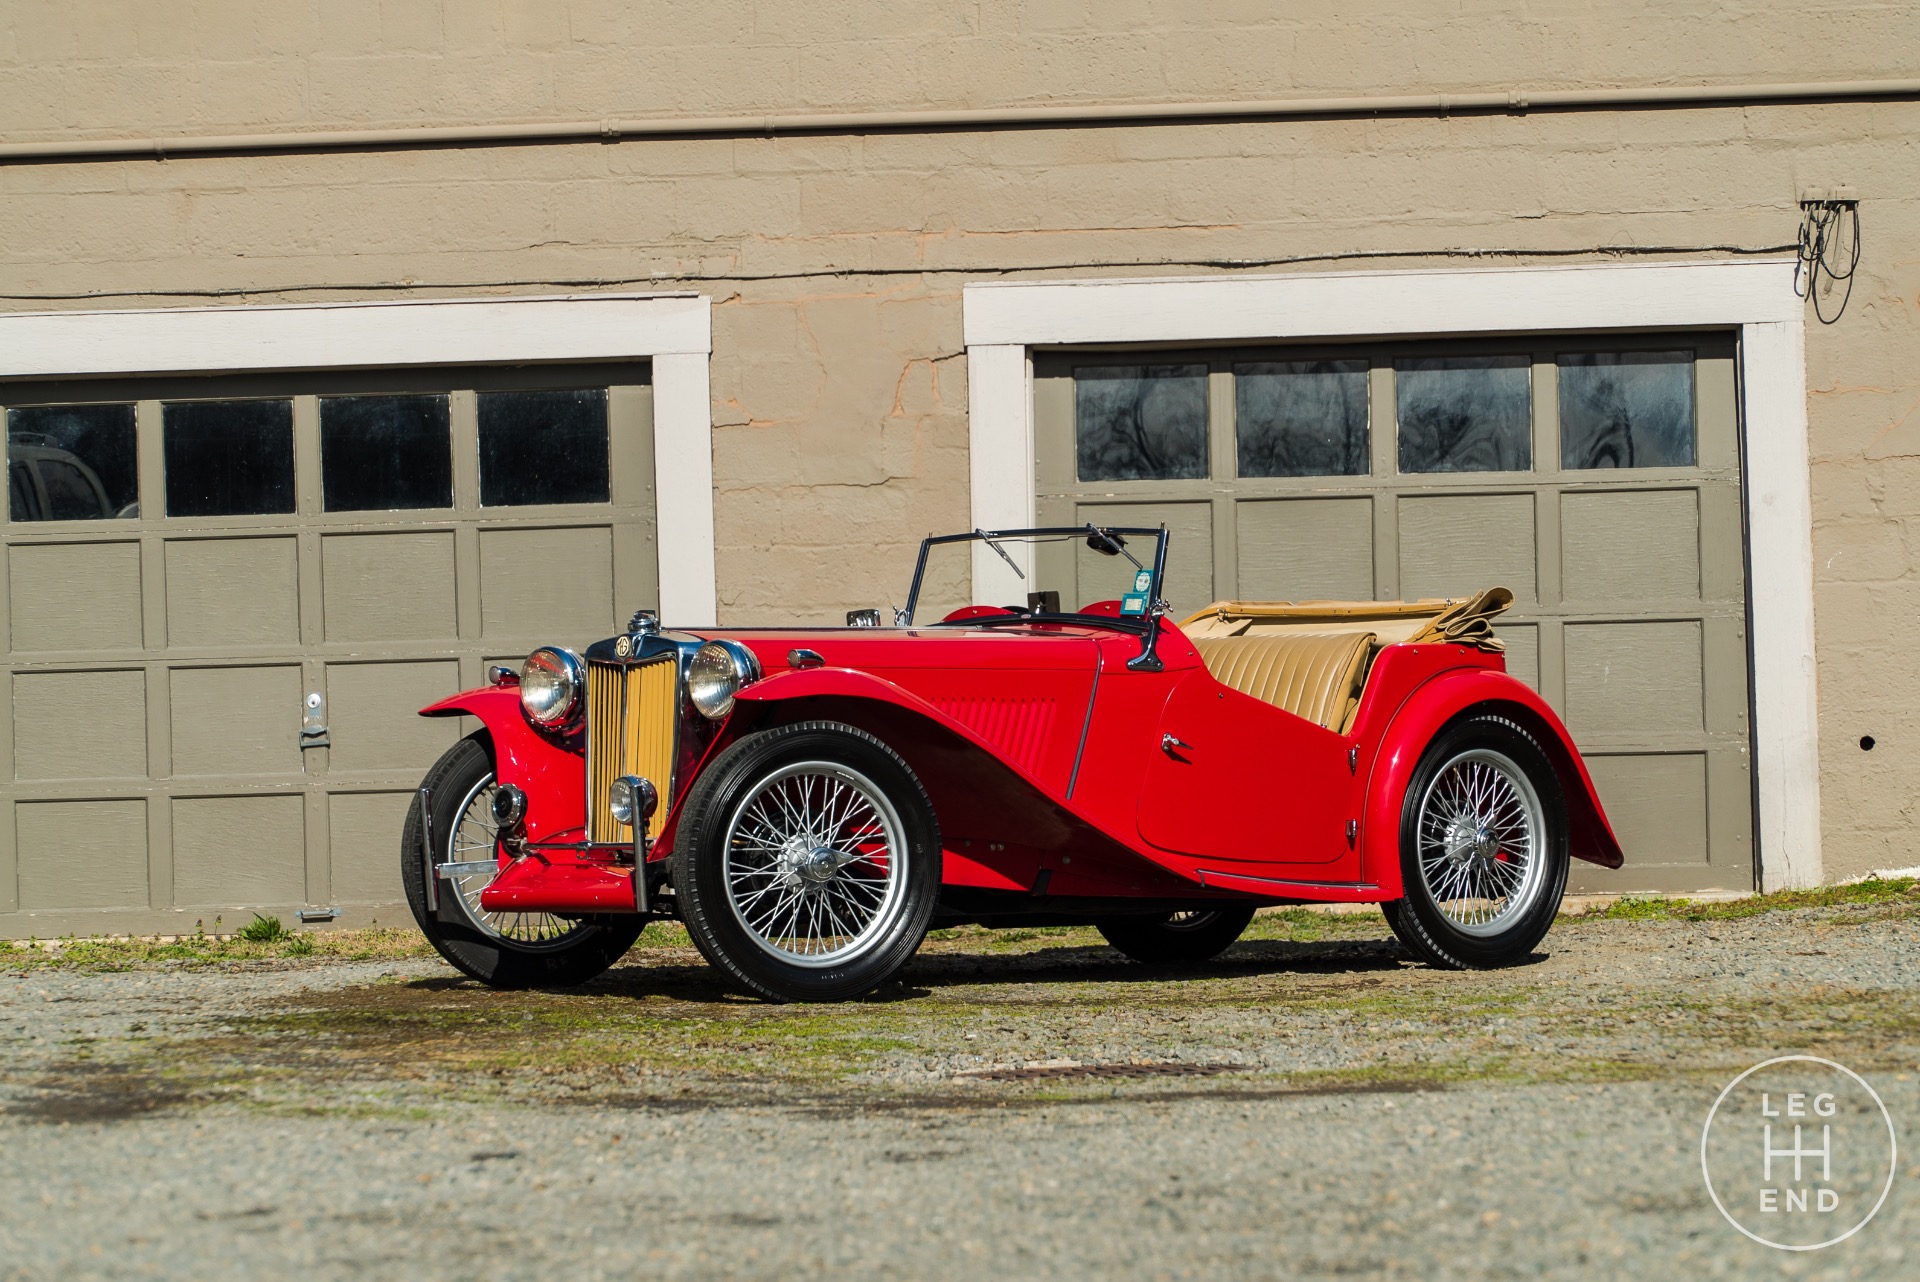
x=632 y=715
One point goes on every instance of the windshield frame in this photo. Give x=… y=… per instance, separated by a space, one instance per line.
x=1124 y=623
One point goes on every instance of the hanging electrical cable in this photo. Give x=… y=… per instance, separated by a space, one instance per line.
x=1829 y=252
x=666 y=280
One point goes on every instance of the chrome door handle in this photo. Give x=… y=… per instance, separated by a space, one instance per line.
x=1168 y=744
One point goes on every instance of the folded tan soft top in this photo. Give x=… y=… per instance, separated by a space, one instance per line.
x=1312 y=658
x=1467 y=621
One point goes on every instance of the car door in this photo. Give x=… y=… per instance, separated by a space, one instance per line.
x=1237 y=780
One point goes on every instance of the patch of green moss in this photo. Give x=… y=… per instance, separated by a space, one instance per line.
x=1311 y=925
x=1875 y=892
x=118 y=954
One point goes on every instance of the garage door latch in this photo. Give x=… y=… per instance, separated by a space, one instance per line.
x=313 y=723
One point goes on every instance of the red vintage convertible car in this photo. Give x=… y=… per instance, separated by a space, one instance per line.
x=809 y=801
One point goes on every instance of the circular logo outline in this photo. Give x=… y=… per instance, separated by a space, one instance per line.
x=1893 y=1152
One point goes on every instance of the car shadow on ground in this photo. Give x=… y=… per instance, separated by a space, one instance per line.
x=1094 y=964
x=680 y=978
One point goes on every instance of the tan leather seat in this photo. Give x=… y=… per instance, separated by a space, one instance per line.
x=1315 y=675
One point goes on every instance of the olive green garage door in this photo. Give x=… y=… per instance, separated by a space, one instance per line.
x=226 y=598
x=1597 y=479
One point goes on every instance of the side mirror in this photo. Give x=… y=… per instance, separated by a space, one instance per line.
x=863 y=618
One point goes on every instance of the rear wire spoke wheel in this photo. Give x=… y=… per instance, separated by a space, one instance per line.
x=1483 y=847
x=808 y=862
x=504 y=950
x=1478 y=842
x=1178 y=938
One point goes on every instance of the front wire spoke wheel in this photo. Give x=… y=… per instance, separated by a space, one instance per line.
x=476 y=838
x=501 y=950
x=1481 y=831
x=814 y=863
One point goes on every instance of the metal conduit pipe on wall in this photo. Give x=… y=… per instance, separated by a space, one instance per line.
x=1510 y=100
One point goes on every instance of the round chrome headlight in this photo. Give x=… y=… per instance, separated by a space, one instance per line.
x=630 y=796
x=718 y=670
x=550 y=684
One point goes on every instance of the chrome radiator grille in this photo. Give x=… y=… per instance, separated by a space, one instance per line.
x=631 y=717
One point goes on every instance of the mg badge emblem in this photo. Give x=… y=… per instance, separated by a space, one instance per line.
x=622 y=646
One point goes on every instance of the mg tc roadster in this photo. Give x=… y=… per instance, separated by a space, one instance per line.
x=809 y=800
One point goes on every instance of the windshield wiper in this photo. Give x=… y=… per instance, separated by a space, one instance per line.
x=1011 y=564
x=1119 y=623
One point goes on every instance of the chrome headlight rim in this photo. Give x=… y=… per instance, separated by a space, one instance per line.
x=718 y=671
x=552 y=668
x=631 y=799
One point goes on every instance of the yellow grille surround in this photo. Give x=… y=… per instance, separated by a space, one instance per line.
x=633 y=712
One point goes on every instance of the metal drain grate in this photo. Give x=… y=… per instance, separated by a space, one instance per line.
x=1039 y=1072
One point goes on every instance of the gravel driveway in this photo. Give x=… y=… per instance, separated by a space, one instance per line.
x=1023 y=1105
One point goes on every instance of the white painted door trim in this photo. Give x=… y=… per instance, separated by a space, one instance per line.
x=674 y=331
x=1004 y=321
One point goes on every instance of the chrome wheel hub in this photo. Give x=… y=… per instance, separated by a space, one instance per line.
x=805 y=864
x=1467 y=840
x=819 y=865
x=1479 y=842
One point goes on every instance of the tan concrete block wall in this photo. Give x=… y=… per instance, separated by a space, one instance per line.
x=231 y=64
x=836 y=262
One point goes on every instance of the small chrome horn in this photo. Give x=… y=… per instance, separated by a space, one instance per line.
x=509 y=808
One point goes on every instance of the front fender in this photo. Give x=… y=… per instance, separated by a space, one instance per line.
x=554 y=779
x=1430 y=707
x=849 y=683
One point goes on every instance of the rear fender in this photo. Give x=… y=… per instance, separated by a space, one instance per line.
x=1426 y=711
x=554 y=779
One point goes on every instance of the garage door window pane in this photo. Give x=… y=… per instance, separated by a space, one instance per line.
x=1301 y=418
x=543 y=447
x=1141 y=422
x=1626 y=409
x=1464 y=413
x=228 y=458
x=72 y=463
x=382 y=453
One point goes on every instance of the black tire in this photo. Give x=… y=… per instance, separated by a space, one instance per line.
x=719 y=878
x=1440 y=936
x=502 y=952
x=1185 y=938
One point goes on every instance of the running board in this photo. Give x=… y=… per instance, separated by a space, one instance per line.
x=1326 y=891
